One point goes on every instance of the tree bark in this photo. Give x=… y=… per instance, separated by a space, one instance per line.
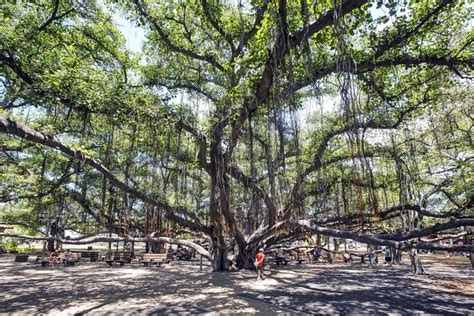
x=52 y=232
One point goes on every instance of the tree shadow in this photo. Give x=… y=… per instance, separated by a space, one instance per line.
x=181 y=287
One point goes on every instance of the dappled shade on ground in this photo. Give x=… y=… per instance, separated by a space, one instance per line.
x=181 y=288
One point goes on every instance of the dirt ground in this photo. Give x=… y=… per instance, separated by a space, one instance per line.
x=181 y=288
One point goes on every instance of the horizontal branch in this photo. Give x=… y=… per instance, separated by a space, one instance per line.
x=199 y=249
x=26 y=225
x=187 y=86
x=369 y=65
x=451 y=236
x=400 y=241
x=378 y=240
x=454 y=223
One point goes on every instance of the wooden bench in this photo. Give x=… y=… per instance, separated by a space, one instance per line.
x=120 y=257
x=45 y=260
x=92 y=256
x=154 y=258
x=73 y=258
x=21 y=258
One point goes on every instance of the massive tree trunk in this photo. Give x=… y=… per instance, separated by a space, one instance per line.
x=219 y=246
x=52 y=232
x=219 y=253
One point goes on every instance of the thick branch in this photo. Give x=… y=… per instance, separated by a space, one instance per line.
x=279 y=51
x=369 y=64
x=199 y=249
x=400 y=242
x=454 y=223
x=17 y=68
x=451 y=236
x=247 y=181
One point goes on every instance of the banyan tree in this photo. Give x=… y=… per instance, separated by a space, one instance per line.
x=246 y=123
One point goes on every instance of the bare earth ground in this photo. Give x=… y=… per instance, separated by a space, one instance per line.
x=179 y=287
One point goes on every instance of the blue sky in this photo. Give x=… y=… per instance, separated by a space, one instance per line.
x=134 y=36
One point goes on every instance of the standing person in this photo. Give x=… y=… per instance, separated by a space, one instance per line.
x=388 y=256
x=316 y=254
x=371 y=254
x=280 y=259
x=259 y=261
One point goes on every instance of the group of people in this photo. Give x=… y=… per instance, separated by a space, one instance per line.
x=281 y=258
x=54 y=259
x=373 y=258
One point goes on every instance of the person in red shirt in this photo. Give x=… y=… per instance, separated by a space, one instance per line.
x=259 y=260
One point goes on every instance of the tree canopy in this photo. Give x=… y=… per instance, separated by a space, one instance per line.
x=249 y=123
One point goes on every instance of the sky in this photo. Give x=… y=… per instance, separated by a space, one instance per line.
x=134 y=36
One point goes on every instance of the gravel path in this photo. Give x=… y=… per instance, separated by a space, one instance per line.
x=94 y=288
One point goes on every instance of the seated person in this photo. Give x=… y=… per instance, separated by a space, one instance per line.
x=109 y=255
x=347 y=257
x=53 y=258
x=67 y=256
x=316 y=254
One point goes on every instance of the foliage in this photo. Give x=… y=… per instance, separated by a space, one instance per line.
x=11 y=245
x=221 y=125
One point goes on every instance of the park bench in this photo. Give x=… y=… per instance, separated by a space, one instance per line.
x=302 y=256
x=44 y=260
x=21 y=258
x=154 y=258
x=120 y=257
x=324 y=257
x=73 y=258
x=92 y=256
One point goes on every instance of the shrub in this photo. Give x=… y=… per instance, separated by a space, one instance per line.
x=11 y=245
